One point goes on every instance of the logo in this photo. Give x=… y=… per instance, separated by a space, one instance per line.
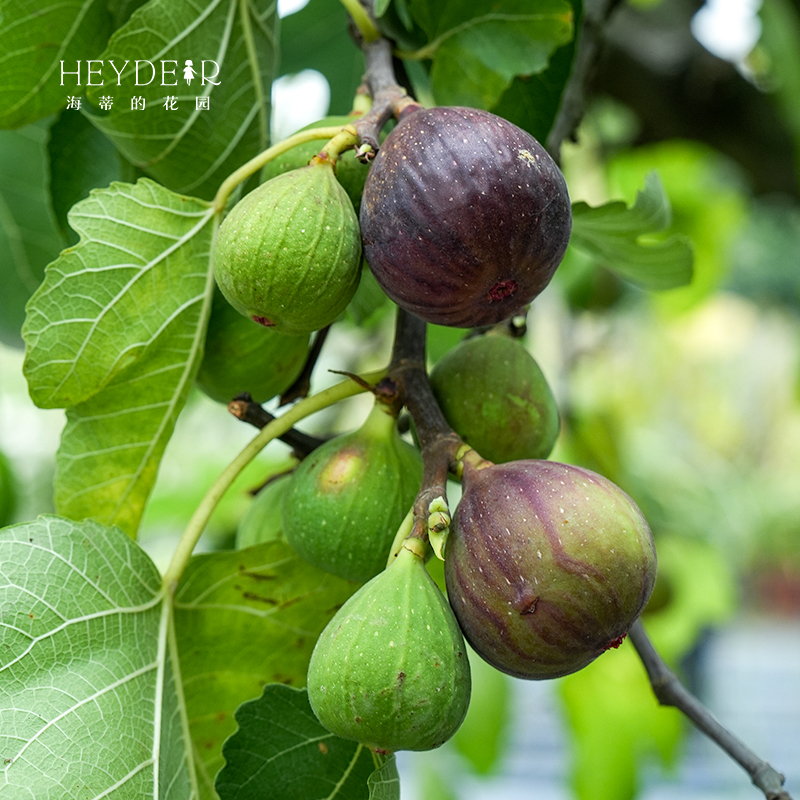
x=143 y=73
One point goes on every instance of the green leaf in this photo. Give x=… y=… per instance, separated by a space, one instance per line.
x=187 y=149
x=384 y=783
x=244 y=619
x=142 y=264
x=81 y=159
x=115 y=335
x=532 y=101
x=281 y=752
x=478 y=47
x=615 y=235
x=316 y=38
x=90 y=703
x=29 y=238
x=36 y=36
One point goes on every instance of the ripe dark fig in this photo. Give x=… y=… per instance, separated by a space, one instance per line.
x=495 y=397
x=464 y=216
x=547 y=566
x=391 y=670
x=241 y=356
x=347 y=499
x=288 y=255
x=350 y=172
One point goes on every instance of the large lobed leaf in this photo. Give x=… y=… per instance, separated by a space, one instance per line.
x=89 y=698
x=188 y=149
x=616 y=236
x=115 y=335
x=244 y=619
x=281 y=752
x=478 y=47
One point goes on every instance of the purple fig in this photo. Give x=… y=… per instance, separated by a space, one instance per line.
x=547 y=566
x=464 y=216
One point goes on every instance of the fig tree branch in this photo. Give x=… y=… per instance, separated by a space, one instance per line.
x=669 y=691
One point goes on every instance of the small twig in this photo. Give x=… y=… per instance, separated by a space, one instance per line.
x=246 y=409
x=669 y=691
x=589 y=42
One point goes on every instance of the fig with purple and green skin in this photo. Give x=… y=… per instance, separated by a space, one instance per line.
x=496 y=398
x=547 y=565
x=346 y=499
x=391 y=669
x=464 y=216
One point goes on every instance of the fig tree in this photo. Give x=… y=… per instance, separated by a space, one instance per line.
x=464 y=216
x=262 y=520
x=494 y=395
x=547 y=565
x=288 y=255
x=390 y=670
x=347 y=498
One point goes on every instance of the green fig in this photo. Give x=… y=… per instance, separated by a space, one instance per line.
x=347 y=499
x=495 y=397
x=350 y=172
x=262 y=520
x=288 y=255
x=390 y=670
x=241 y=356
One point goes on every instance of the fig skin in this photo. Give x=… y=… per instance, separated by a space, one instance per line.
x=391 y=670
x=496 y=398
x=288 y=255
x=242 y=356
x=464 y=216
x=547 y=565
x=262 y=520
x=347 y=498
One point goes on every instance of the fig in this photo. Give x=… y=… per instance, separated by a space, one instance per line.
x=495 y=397
x=464 y=216
x=262 y=520
x=241 y=356
x=350 y=172
x=547 y=565
x=390 y=670
x=288 y=255
x=348 y=497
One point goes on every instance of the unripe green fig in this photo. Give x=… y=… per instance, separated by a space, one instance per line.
x=241 y=356
x=350 y=172
x=348 y=497
x=391 y=670
x=495 y=397
x=262 y=520
x=288 y=255
x=547 y=565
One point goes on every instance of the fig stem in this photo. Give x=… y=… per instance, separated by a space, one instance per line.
x=224 y=481
x=264 y=157
x=362 y=19
x=439 y=443
x=669 y=691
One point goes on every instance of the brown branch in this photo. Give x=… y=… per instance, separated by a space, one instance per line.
x=302 y=384
x=669 y=691
x=246 y=409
